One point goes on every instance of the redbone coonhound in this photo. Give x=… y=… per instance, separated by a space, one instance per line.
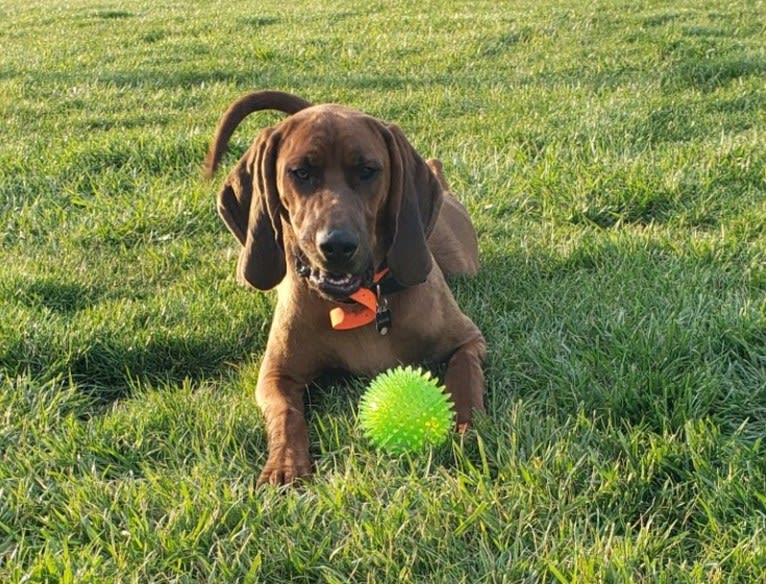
x=357 y=232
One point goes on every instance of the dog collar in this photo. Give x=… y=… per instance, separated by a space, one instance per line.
x=369 y=305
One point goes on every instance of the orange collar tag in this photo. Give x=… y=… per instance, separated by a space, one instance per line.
x=360 y=314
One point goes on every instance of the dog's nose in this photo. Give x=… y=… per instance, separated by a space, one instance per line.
x=337 y=245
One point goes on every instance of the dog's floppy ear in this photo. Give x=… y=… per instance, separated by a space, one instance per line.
x=414 y=199
x=249 y=205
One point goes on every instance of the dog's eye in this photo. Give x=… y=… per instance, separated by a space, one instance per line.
x=367 y=172
x=300 y=174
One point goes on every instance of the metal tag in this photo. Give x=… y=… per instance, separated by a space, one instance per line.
x=382 y=315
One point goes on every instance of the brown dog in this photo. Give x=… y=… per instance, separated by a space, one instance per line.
x=338 y=211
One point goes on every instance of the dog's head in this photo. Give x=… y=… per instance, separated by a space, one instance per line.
x=337 y=193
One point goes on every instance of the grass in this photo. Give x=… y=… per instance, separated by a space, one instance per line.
x=612 y=155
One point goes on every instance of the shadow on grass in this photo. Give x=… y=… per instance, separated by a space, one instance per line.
x=108 y=369
x=57 y=296
x=636 y=333
x=59 y=337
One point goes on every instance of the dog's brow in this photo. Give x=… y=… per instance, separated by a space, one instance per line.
x=304 y=157
x=370 y=163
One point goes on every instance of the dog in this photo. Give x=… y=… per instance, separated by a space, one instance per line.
x=357 y=233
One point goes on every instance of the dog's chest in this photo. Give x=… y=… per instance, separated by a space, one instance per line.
x=366 y=352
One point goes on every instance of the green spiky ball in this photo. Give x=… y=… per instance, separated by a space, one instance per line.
x=405 y=410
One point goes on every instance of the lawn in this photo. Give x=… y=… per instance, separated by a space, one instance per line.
x=612 y=156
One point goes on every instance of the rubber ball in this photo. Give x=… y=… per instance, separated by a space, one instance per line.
x=406 y=410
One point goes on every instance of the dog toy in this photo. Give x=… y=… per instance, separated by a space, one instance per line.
x=405 y=409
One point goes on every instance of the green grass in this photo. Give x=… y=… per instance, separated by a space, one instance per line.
x=612 y=155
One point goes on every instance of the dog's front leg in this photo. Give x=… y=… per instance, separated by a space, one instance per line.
x=465 y=380
x=280 y=398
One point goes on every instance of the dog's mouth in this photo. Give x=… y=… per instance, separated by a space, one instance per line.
x=336 y=286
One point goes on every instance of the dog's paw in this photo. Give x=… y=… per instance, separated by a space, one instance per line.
x=285 y=467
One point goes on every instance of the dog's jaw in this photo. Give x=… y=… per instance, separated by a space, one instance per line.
x=334 y=286
x=330 y=284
